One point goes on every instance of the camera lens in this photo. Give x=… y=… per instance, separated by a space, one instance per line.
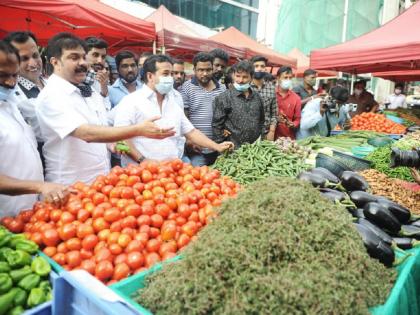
x=405 y=158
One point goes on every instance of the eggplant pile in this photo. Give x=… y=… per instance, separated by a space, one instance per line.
x=384 y=225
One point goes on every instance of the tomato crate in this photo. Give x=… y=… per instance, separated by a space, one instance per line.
x=77 y=292
x=125 y=288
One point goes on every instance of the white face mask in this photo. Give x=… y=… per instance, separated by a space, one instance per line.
x=286 y=84
x=358 y=92
x=5 y=93
x=165 y=84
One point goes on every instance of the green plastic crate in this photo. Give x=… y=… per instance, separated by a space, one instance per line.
x=125 y=288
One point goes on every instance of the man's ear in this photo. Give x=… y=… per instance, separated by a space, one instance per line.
x=53 y=61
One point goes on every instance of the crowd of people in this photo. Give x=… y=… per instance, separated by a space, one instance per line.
x=60 y=119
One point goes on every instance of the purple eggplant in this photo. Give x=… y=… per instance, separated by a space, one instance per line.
x=375 y=229
x=376 y=248
x=352 y=181
x=325 y=174
x=405 y=242
x=360 y=198
x=410 y=231
x=357 y=213
x=332 y=194
x=315 y=179
x=400 y=212
x=382 y=217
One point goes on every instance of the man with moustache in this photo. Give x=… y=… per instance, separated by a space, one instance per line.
x=178 y=73
x=198 y=95
x=127 y=82
x=73 y=118
x=96 y=57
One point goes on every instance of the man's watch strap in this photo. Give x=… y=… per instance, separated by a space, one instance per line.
x=140 y=159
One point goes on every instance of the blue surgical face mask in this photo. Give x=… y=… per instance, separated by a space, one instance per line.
x=5 y=92
x=241 y=87
x=286 y=84
x=165 y=84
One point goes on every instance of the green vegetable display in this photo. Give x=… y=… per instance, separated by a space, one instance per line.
x=252 y=162
x=381 y=159
x=278 y=248
x=23 y=281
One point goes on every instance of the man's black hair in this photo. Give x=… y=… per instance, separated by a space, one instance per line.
x=221 y=54
x=9 y=49
x=203 y=57
x=150 y=64
x=20 y=37
x=177 y=62
x=309 y=72
x=283 y=69
x=399 y=85
x=125 y=54
x=259 y=58
x=95 y=42
x=243 y=66
x=339 y=93
x=63 y=41
x=363 y=82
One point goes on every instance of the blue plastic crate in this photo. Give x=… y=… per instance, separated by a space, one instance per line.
x=44 y=308
x=79 y=293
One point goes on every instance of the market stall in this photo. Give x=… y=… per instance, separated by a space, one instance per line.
x=81 y=17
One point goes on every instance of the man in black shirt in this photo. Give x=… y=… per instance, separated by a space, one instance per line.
x=306 y=91
x=238 y=114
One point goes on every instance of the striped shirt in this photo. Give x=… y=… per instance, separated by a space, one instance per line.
x=198 y=103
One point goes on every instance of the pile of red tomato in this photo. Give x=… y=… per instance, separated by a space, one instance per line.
x=376 y=122
x=127 y=220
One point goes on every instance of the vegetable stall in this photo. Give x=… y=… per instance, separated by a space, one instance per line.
x=322 y=225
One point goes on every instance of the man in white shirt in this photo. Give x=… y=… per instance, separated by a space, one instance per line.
x=73 y=118
x=397 y=99
x=21 y=177
x=157 y=97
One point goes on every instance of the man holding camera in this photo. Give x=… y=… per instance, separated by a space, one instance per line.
x=320 y=116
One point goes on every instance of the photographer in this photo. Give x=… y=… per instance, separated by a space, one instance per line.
x=320 y=116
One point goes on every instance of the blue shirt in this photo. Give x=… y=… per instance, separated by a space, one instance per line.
x=313 y=123
x=118 y=90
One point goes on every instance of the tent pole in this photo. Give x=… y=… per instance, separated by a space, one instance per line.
x=154 y=47
x=163 y=50
x=353 y=78
x=344 y=30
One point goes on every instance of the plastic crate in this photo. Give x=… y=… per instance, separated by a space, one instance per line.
x=79 y=293
x=130 y=285
x=353 y=162
x=44 y=308
x=332 y=164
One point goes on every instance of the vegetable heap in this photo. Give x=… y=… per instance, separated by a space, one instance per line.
x=129 y=219
x=24 y=281
x=381 y=159
x=261 y=159
x=376 y=122
x=279 y=248
x=290 y=146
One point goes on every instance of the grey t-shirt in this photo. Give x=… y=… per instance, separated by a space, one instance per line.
x=300 y=90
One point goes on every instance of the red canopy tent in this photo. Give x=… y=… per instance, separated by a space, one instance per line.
x=399 y=76
x=392 y=47
x=233 y=36
x=81 y=17
x=303 y=64
x=179 y=39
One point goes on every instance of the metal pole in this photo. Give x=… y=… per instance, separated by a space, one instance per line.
x=344 y=30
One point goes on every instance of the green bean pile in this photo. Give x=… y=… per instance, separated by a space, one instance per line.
x=278 y=248
x=252 y=162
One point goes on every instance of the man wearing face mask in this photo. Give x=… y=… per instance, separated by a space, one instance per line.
x=289 y=104
x=397 y=99
x=306 y=91
x=266 y=91
x=154 y=99
x=365 y=101
x=239 y=112
x=127 y=82
x=220 y=62
x=73 y=118
x=21 y=176
x=320 y=116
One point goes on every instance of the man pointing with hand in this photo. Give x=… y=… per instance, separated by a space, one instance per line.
x=73 y=118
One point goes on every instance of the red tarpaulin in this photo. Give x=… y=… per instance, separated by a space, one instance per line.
x=236 y=38
x=81 y=17
x=303 y=64
x=398 y=76
x=392 y=47
x=178 y=39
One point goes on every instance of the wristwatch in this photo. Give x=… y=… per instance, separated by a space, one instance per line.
x=140 y=159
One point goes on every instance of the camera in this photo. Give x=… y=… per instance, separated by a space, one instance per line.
x=405 y=158
x=329 y=104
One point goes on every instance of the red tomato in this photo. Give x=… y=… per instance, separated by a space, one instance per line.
x=104 y=234
x=154 y=232
x=115 y=249
x=100 y=224
x=112 y=214
x=116 y=226
x=74 y=244
x=167 y=247
x=121 y=271
x=129 y=222
x=127 y=193
x=55 y=215
x=73 y=258
x=183 y=240
x=104 y=270
x=142 y=237
x=135 y=260
x=50 y=251
x=60 y=258
x=133 y=210
x=156 y=220
x=88 y=265
x=50 y=237
x=83 y=215
x=184 y=210
x=124 y=240
x=151 y=259
x=84 y=230
x=132 y=180
x=168 y=232
x=134 y=246
x=146 y=176
x=104 y=254
x=86 y=254
x=153 y=245
x=143 y=220
x=90 y=241
x=67 y=217
x=121 y=258
x=168 y=255
x=163 y=210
